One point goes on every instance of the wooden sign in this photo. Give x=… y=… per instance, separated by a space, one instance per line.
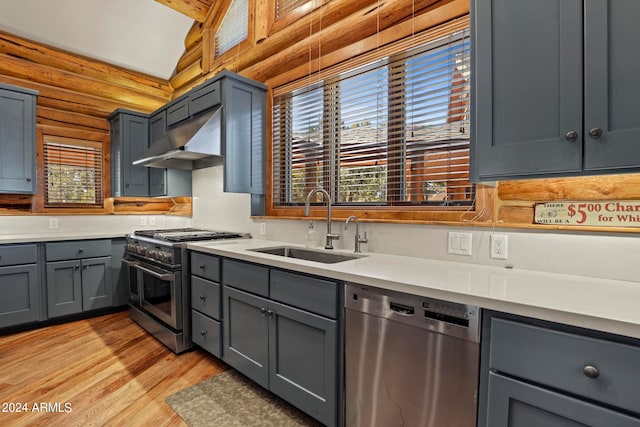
x=608 y=214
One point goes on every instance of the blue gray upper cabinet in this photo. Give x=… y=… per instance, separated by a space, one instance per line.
x=17 y=140
x=129 y=141
x=244 y=109
x=553 y=88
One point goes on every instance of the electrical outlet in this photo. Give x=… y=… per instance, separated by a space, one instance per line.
x=459 y=243
x=152 y=220
x=53 y=223
x=498 y=246
x=143 y=220
x=263 y=228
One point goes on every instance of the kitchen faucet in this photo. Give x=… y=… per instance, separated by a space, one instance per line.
x=357 y=239
x=330 y=236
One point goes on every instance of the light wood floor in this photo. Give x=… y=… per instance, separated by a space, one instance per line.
x=107 y=370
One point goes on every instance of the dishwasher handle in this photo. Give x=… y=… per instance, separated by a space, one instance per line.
x=402 y=309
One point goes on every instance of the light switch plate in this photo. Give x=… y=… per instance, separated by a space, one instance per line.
x=459 y=243
x=53 y=223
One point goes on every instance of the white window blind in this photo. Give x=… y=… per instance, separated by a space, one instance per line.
x=284 y=7
x=73 y=174
x=392 y=132
x=234 y=27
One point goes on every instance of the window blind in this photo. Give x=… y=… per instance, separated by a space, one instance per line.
x=73 y=174
x=283 y=7
x=234 y=27
x=392 y=132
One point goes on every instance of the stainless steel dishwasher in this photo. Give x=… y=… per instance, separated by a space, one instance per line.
x=410 y=360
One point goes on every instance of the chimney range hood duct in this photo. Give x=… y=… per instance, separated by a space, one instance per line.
x=196 y=143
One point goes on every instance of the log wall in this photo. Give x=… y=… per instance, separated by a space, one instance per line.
x=76 y=96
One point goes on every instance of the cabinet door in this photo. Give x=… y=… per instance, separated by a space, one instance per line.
x=135 y=140
x=246 y=334
x=17 y=142
x=97 y=290
x=20 y=302
x=157 y=176
x=527 y=88
x=244 y=121
x=611 y=85
x=64 y=288
x=303 y=361
x=516 y=404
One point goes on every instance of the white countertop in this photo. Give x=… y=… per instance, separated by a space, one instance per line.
x=601 y=304
x=54 y=237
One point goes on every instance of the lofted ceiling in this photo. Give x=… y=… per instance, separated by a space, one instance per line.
x=140 y=35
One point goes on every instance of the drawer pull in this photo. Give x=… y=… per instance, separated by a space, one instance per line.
x=591 y=371
x=203 y=297
x=203 y=332
x=201 y=266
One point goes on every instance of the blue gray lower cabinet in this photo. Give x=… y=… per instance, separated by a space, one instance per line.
x=279 y=328
x=74 y=286
x=537 y=373
x=20 y=290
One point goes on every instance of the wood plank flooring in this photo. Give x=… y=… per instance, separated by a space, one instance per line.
x=100 y=371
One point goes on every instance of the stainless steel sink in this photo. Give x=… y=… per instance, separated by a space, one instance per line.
x=323 y=256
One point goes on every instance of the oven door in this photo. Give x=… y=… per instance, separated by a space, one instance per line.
x=134 y=279
x=160 y=293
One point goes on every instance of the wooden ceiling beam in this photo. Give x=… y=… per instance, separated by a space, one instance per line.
x=194 y=9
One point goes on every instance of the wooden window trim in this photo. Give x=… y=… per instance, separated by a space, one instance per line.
x=484 y=201
x=46 y=133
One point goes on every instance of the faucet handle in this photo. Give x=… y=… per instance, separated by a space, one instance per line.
x=363 y=239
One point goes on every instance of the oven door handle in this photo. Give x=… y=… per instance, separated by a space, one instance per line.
x=130 y=263
x=167 y=277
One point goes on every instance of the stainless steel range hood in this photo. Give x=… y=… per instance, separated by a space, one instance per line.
x=196 y=143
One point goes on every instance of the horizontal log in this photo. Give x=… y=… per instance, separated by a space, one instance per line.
x=15 y=203
x=52 y=57
x=51 y=116
x=515 y=214
x=24 y=69
x=193 y=36
x=70 y=132
x=601 y=187
x=64 y=99
x=189 y=57
x=361 y=24
x=398 y=33
x=187 y=75
x=194 y=9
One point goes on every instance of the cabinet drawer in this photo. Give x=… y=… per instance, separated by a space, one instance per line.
x=308 y=293
x=558 y=359
x=206 y=266
x=249 y=277
x=177 y=111
x=205 y=297
x=78 y=249
x=206 y=333
x=204 y=98
x=17 y=254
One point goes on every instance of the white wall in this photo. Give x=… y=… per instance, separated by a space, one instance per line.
x=605 y=255
x=117 y=224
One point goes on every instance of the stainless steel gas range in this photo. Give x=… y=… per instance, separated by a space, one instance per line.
x=158 y=281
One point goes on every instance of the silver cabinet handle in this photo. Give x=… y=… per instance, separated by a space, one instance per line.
x=269 y=312
x=203 y=332
x=571 y=136
x=263 y=310
x=591 y=371
x=203 y=297
x=201 y=266
x=595 y=133
x=76 y=266
x=28 y=179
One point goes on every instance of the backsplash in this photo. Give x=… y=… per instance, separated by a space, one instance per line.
x=12 y=225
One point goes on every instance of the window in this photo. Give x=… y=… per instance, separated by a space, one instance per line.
x=234 y=27
x=284 y=7
x=72 y=172
x=393 y=132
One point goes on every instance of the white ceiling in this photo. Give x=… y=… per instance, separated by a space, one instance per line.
x=140 y=35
